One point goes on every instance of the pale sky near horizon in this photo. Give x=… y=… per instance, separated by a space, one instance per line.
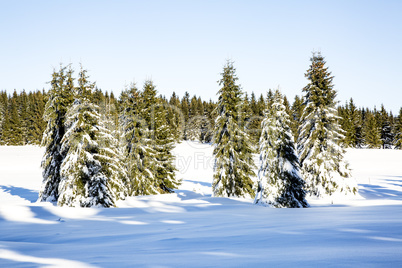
x=183 y=45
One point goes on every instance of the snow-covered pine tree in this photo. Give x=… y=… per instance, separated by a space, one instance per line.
x=60 y=98
x=279 y=180
x=162 y=141
x=321 y=155
x=163 y=145
x=233 y=167
x=138 y=150
x=91 y=172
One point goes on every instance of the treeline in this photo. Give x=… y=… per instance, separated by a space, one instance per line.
x=22 y=123
x=100 y=149
x=21 y=117
x=365 y=128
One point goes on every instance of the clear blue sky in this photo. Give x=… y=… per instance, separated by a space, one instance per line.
x=183 y=45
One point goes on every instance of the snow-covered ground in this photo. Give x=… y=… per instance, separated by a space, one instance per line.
x=191 y=229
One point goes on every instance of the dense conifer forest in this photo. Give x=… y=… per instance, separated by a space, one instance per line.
x=100 y=148
x=22 y=122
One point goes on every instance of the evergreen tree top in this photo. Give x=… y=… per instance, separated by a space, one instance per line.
x=229 y=77
x=149 y=92
x=84 y=89
x=230 y=94
x=320 y=88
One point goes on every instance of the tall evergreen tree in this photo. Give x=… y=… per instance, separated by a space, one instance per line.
x=234 y=165
x=138 y=148
x=162 y=141
x=279 y=180
x=60 y=100
x=321 y=155
x=163 y=145
x=91 y=172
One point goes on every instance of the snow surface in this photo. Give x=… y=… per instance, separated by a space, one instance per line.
x=191 y=229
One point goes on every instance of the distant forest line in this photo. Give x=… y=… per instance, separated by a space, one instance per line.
x=22 y=123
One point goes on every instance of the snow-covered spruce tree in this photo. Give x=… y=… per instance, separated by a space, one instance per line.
x=162 y=141
x=60 y=98
x=138 y=150
x=91 y=173
x=163 y=145
x=321 y=155
x=233 y=167
x=279 y=180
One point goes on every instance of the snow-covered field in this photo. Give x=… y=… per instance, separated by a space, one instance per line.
x=191 y=229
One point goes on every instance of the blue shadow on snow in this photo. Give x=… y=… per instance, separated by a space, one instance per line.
x=378 y=192
x=24 y=193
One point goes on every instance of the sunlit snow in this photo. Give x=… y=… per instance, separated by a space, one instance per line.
x=189 y=228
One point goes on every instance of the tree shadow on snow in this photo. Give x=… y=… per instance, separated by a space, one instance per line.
x=206 y=184
x=207 y=200
x=30 y=195
x=378 y=192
